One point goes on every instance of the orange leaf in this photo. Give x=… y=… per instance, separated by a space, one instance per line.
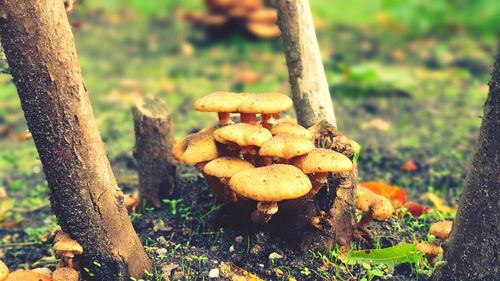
x=396 y=195
x=409 y=166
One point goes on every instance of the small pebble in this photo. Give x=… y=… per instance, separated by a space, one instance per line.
x=238 y=239
x=214 y=273
x=231 y=248
x=275 y=256
x=162 y=251
x=260 y=265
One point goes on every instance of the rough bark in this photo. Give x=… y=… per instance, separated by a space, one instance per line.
x=472 y=251
x=310 y=92
x=84 y=195
x=154 y=139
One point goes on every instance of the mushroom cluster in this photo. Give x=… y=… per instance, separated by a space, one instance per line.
x=261 y=159
x=249 y=15
x=440 y=230
x=65 y=248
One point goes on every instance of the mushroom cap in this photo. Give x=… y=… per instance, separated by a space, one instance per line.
x=263 y=30
x=26 y=275
x=196 y=148
x=429 y=248
x=322 y=160
x=265 y=15
x=226 y=167
x=243 y=134
x=66 y=246
x=266 y=103
x=65 y=274
x=441 y=229
x=292 y=129
x=380 y=206
x=4 y=271
x=272 y=183
x=286 y=146
x=220 y=102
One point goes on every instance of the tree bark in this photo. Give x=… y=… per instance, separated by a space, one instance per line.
x=473 y=248
x=84 y=195
x=310 y=92
x=154 y=139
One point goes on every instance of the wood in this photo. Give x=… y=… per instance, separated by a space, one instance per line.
x=154 y=139
x=472 y=251
x=84 y=196
x=310 y=92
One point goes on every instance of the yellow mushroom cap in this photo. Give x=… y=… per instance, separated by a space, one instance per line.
x=441 y=229
x=380 y=206
x=196 y=148
x=266 y=103
x=65 y=274
x=243 y=134
x=266 y=15
x=322 y=160
x=220 y=102
x=66 y=246
x=26 y=275
x=4 y=271
x=292 y=129
x=286 y=146
x=429 y=248
x=272 y=183
x=226 y=167
x=264 y=30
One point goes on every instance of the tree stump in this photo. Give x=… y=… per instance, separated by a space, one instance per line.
x=154 y=139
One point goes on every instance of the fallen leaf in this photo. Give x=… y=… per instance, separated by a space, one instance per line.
x=415 y=208
x=396 y=195
x=439 y=204
x=409 y=166
x=234 y=273
x=403 y=253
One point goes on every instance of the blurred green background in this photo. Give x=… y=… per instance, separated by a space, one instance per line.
x=408 y=79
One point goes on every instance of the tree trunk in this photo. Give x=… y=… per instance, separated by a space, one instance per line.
x=84 y=195
x=310 y=92
x=153 y=145
x=473 y=248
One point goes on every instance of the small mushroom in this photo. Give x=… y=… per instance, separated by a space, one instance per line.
x=224 y=103
x=441 y=229
x=376 y=206
x=269 y=185
x=4 y=271
x=267 y=104
x=26 y=275
x=219 y=171
x=431 y=250
x=263 y=30
x=285 y=147
x=65 y=274
x=265 y=16
x=66 y=249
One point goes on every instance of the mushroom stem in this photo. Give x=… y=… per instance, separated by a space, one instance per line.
x=366 y=219
x=200 y=165
x=264 y=212
x=249 y=118
x=224 y=118
x=261 y=161
x=268 y=121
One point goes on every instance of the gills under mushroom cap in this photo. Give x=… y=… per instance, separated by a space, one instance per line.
x=272 y=183
x=243 y=134
x=267 y=103
x=292 y=129
x=196 y=148
x=226 y=167
x=220 y=102
x=441 y=229
x=322 y=160
x=286 y=146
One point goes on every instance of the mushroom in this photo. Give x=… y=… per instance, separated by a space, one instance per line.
x=266 y=16
x=285 y=146
x=268 y=104
x=245 y=137
x=292 y=129
x=269 y=185
x=197 y=148
x=219 y=171
x=65 y=274
x=318 y=163
x=431 y=250
x=66 y=249
x=263 y=30
x=26 y=275
x=441 y=229
x=4 y=271
x=224 y=103
x=376 y=206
